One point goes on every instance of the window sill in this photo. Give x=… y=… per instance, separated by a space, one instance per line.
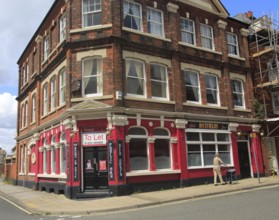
x=22 y=174
x=200 y=48
x=146 y=34
x=55 y=176
x=236 y=57
x=91 y=28
x=242 y=110
x=61 y=106
x=92 y=98
x=210 y=167
x=31 y=174
x=205 y=106
x=148 y=100
x=149 y=173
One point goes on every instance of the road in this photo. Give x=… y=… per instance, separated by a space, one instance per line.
x=253 y=204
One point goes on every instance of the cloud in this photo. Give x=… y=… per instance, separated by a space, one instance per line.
x=8 y=116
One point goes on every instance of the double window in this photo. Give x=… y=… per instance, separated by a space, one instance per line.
x=202 y=146
x=232 y=42
x=92 y=12
x=92 y=76
x=155 y=22
x=238 y=93
x=132 y=15
x=207 y=37
x=187 y=31
x=192 y=86
x=139 y=149
x=212 y=91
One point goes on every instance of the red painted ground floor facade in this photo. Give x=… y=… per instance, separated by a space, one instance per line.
x=120 y=154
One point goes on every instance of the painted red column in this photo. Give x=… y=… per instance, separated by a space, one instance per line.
x=181 y=145
x=174 y=152
x=150 y=144
x=57 y=157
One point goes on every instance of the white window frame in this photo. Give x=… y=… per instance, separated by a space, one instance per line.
x=62 y=86
x=186 y=72
x=93 y=13
x=53 y=155
x=153 y=23
x=26 y=114
x=232 y=44
x=241 y=93
x=145 y=137
x=138 y=19
x=62 y=153
x=208 y=37
x=33 y=118
x=162 y=82
x=62 y=30
x=201 y=143
x=127 y=64
x=163 y=137
x=53 y=93
x=98 y=76
x=22 y=115
x=212 y=89
x=46 y=47
x=45 y=99
x=187 y=32
x=45 y=156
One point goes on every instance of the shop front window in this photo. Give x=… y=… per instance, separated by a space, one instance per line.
x=202 y=146
x=162 y=149
x=138 y=149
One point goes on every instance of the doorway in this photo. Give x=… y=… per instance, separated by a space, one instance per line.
x=95 y=169
x=244 y=159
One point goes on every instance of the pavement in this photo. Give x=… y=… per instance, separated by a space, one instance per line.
x=43 y=203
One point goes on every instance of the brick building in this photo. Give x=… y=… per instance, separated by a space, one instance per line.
x=119 y=96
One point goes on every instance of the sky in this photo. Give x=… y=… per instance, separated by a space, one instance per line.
x=19 y=19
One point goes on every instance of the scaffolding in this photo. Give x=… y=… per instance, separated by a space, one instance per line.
x=264 y=48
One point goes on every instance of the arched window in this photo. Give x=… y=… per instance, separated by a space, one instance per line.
x=45 y=156
x=162 y=148
x=62 y=153
x=53 y=155
x=138 y=149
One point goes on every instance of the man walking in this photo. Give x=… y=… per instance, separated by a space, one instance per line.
x=217 y=169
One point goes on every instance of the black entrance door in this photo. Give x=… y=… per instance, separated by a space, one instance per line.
x=95 y=168
x=244 y=161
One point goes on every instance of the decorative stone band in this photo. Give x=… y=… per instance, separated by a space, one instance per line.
x=151 y=140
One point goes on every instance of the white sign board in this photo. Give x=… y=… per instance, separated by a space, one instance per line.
x=93 y=139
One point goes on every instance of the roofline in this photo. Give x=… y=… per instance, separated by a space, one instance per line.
x=38 y=29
